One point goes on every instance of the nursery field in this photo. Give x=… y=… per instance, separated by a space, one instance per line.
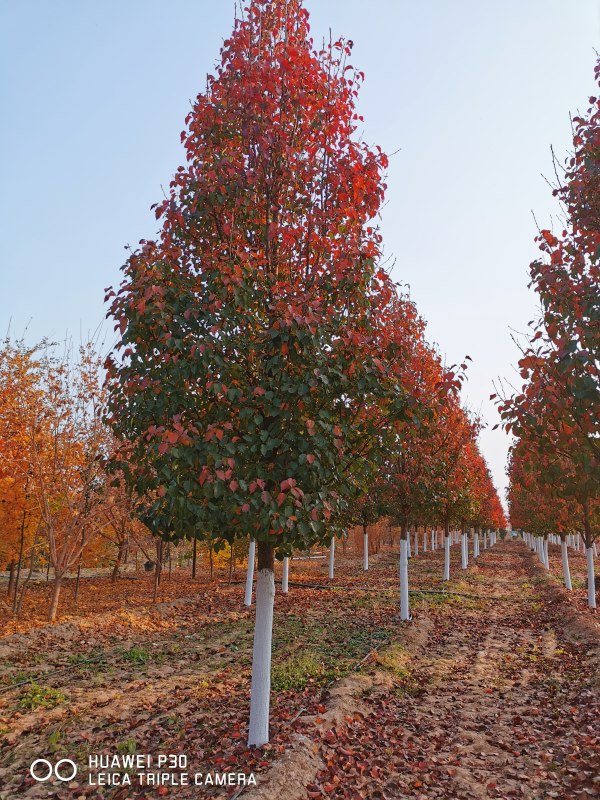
x=492 y=690
x=286 y=520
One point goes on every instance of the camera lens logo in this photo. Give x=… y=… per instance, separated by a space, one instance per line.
x=42 y=770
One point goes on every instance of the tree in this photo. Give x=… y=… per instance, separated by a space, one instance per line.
x=21 y=416
x=253 y=346
x=67 y=457
x=536 y=502
x=19 y=521
x=557 y=408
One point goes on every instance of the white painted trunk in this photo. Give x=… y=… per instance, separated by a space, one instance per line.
x=285 y=576
x=416 y=543
x=250 y=573
x=408 y=547
x=261 y=659
x=591 y=577
x=595 y=550
x=433 y=540
x=404 y=607
x=424 y=541
x=331 y=558
x=546 y=557
x=465 y=550
x=476 y=546
x=485 y=540
x=565 y=564
x=446 y=558
x=366 y=551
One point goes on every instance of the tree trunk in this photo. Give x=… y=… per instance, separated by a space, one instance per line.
x=446 y=551
x=230 y=562
x=591 y=578
x=250 y=573
x=365 y=548
x=76 y=596
x=194 y=557
x=565 y=564
x=117 y=567
x=157 y=568
x=285 y=577
x=465 y=548
x=404 y=605
x=261 y=654
x=589 y=554
x=77 y=582
x=11 y=578
x=55 y=598
x=18 y=599
x=331 y=558
x=20 y=559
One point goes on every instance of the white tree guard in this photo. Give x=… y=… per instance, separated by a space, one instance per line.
x=331 y=558
x=465 y=551
x=260 y=688
x=565 y=564
x=404 y=605
x=446 y=558
x=591 y=578
x=285 y=575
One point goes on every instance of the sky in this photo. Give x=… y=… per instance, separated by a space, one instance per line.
x=470 y=96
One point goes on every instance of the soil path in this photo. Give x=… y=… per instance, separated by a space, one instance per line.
x=500 y=701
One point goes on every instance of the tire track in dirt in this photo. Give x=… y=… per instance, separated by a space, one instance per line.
x=487 y=711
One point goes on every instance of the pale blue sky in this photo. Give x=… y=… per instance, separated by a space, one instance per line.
x=93 y=98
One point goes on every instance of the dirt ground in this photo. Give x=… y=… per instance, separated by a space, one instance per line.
x=489 y=692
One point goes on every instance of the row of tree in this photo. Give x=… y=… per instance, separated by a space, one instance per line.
x=554 y=466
